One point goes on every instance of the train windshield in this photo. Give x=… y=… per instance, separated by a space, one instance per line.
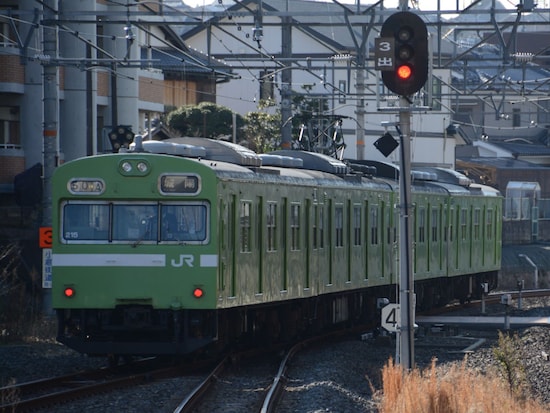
x=136 y=223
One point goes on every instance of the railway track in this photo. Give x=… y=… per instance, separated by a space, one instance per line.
x=249 y=381
x=39 y=394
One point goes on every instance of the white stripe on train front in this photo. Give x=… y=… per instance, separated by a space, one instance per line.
x=130 y=260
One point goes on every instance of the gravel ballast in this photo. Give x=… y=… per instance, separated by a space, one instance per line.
x=336 y=377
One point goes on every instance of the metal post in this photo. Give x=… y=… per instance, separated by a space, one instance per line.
x=536 y=275
x=406 y=279
x=51 y=102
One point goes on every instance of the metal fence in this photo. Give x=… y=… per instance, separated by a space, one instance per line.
x=520 y=209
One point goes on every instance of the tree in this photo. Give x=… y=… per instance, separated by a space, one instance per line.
x=262 y=131
x=206 y=120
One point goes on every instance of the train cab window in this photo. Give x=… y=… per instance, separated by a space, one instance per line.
x=185 y=222
x=135 y=222
x=85 y=222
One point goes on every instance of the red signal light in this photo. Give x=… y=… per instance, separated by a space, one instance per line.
x=404 y=72
x=198 y=292
x=69 y=292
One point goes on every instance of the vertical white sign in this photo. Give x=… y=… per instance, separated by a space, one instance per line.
x=46 y=268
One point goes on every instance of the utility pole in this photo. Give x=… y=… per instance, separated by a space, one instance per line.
x=51 y=109
x=286 y=82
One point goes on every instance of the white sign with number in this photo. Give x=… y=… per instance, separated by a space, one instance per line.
x=391 y=317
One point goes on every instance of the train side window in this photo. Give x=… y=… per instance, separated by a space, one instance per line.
x=374 y=225
x=315 y=225
x=339 y=225
x=295 y=227
x=452 y=217
x=421 y=225
x=357 y=225
x=85 y=222
x=489 y=224
x=245 y=226
x=476 y=223
x=271 y=221
x=435 y=224
x=321 y=226
x=463 y=222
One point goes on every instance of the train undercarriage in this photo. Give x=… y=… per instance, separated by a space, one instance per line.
x=142 y=330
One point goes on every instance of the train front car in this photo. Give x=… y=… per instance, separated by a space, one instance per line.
x=134 y=254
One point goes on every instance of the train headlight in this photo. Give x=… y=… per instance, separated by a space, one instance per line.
x=69 y=292
x=198 y=292
x=142 y=167
x=126 y=167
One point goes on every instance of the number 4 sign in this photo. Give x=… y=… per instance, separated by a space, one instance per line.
x=391 y=317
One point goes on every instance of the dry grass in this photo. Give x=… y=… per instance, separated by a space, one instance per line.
x=457 y=390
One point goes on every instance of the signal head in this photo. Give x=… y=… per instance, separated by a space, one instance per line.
x=409 y=69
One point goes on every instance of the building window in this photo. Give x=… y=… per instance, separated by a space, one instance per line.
x=9 y=127
x=516 y=117
x=342 y=91
x=7 y=37
x=267 y=85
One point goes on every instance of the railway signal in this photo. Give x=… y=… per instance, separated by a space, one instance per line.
x=121 y=137
x=402 y=53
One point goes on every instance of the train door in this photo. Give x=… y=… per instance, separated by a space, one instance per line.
x=247 y=263
x=356 y=256
x=339 y=272
x=387 y=234
x=271 y=263
x=444 y=256
x=323 y=252
x=374 y=259
x=420 y=252
x=311 y=245
x=226 y=282
x=477 y=246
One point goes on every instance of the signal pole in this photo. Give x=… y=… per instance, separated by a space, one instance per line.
x=406 y=277
x=51 y=102
x=402 y=56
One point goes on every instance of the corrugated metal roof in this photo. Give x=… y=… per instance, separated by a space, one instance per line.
x=172 y=60
x=503 y=163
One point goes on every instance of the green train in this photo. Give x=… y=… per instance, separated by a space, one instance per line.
x=174 y=246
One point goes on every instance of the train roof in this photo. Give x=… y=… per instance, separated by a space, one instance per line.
x=234 y=160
